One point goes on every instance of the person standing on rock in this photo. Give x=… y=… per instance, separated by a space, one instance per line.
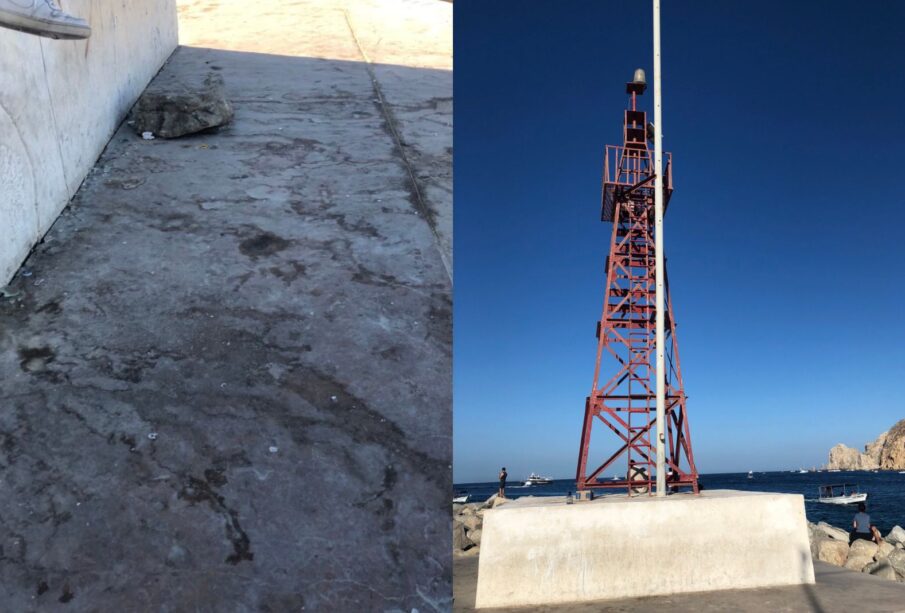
x=42 y=18
x=862 y=528
x=503 y=475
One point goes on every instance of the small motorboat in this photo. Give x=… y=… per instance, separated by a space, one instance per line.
x=843 y=493
x=534 y=479
x=461 y=497
x=750 y=474
x=802 y=471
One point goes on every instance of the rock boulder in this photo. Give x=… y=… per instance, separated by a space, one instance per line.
x=860 y=554
x=471 y=522
x=171 y=110
x=832 y=551
x=833 y=532
x=882 y=569
x=461 y=542
x=814 y=536
x=863 y=548
x=884 y=550
x=896 y=559
x=475 y=536
x=896 y=535
x=857 y=562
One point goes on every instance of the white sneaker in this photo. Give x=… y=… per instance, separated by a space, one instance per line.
x=42 y=17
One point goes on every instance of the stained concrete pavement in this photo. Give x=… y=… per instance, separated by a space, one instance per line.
x=225 y=373
x=838 y=590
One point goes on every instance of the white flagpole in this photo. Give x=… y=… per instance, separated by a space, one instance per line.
x=658 y=240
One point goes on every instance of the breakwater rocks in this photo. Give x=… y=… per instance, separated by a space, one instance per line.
x=886 y=560
x=887 y=452
x=468 y=519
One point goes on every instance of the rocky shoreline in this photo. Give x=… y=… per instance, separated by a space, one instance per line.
x=886 y=560
x=468 y=519
x=828 y=543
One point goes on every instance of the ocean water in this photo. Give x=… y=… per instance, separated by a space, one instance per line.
x=885 y=489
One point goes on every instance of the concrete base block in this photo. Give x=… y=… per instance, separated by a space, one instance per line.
x=537 y=551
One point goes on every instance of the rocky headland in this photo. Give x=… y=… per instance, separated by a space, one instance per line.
x=887 y=452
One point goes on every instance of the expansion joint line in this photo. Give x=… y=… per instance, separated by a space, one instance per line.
x=397 y=140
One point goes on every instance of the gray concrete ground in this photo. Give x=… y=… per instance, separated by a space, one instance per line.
x=225 y=373
x=838 y=590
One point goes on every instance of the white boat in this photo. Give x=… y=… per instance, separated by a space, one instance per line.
x=836 y=470
x=460 y=497
x=534 y=479
x=902 y=472
x=802 y=471
x=750 y=474
x=843 y=493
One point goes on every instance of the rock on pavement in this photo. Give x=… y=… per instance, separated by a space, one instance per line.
x=176 y=110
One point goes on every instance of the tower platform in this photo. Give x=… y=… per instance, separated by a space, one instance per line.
x=537 y=551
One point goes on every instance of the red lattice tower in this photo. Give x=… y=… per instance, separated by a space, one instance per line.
x=626 y=334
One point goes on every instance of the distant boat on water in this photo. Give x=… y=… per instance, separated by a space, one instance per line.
x=750 y=474
x=534 y=479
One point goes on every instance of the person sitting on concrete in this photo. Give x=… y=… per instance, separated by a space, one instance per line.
x=862 y=528
x=42 y=18
x=503 y=475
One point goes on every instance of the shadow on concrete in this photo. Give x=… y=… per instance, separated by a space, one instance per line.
x=225 y=376
x=809 y=590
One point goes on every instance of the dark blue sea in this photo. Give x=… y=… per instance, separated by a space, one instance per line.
x=885 y=489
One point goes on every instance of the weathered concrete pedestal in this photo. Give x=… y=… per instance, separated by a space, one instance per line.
x=538 y=551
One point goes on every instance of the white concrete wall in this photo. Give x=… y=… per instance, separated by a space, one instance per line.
x=545 y=551
x=61 y=101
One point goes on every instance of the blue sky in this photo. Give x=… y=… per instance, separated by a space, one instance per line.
x=784 y=237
